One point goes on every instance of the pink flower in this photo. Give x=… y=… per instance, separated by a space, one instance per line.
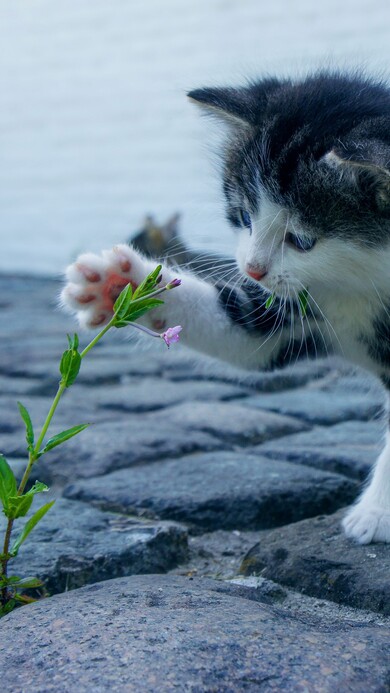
x=172 y=285
x=171 y=335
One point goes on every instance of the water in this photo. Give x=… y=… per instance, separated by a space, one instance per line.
x=95 y=130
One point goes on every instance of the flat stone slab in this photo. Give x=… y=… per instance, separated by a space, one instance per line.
x=152 y=436
x=169 y=633
x=150 y=394
x=76 y=544
x=314 y=557
x=221 y=490
x=319 y=406
x=348 y=448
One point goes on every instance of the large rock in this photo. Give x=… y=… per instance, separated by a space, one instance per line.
x=315 y=557
x=229 y=490
x=76 y=544
x=154 y=633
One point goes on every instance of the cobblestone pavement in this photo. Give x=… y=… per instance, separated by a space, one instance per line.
x=231 y=486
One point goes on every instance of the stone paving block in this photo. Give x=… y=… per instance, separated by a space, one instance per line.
x=152 y=436
x=171 y=633
x=122 y=444
x=221 y=490
x=314 y=557
x=348 y=448
x=17 y=386
x=230 y=421
x=318 y=406
x=149 y=394
x=76 y=544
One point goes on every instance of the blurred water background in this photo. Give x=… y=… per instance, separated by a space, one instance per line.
x=95 y=129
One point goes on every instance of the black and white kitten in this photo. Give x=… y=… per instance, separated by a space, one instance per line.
x=307 y=186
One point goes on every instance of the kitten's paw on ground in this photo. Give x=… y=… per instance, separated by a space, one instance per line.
x=366 y=522
x=95 y=282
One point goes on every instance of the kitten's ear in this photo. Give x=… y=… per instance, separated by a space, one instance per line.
x=363 y=168
x=238 y=107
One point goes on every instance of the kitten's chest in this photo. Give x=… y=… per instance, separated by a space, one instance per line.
x=351 y=325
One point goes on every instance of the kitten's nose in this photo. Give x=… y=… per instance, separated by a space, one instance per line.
x=255 y=272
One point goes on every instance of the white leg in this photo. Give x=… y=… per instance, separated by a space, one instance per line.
x=369 y=519
x=94 y=282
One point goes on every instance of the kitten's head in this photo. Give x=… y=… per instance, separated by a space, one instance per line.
x=306 y=178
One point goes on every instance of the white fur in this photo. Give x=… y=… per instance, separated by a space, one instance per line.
x=369 y=519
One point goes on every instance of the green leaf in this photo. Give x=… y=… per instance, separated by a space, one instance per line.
x=8 y=580
x=73 y=343
x=29 y=427
x=137 y=310
x=62 y=437
x=28 y=583
x=70 y=366
x=270 y=301
x=8 y=486
x=18 y=506
x=29 y=526
x=8 y=607
x=303 y=301
x=148 y=284
x=123 y=301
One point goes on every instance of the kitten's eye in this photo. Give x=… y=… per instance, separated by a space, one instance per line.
x=299 y=242
x=245 y=219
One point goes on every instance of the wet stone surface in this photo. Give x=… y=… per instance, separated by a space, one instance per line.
x=221 y=490
x=169 y=633
x=191 y=469
x=78 y=544
x=314 y=557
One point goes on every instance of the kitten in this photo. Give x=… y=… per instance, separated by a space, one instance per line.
x=306 y=177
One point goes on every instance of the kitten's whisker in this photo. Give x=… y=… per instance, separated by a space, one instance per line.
x=322 y=314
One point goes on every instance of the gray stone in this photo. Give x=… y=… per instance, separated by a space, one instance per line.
x=348 y=448
x=219 y=554
x=17 y=386
x=149 y=394
x=228 y=490
x=75 y=544
x=315 y=557
x=169 y=633
x=290 y=377
x=318 y=406
x=152 y=436
x=231 y=422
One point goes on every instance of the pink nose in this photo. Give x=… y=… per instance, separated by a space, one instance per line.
x=255 y=272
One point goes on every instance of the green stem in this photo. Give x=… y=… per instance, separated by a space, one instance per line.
x=4 y=562
x=98 y=336
x=33 y=455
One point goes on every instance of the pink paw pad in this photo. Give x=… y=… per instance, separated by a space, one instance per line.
x=112 y=287
x=89 y=274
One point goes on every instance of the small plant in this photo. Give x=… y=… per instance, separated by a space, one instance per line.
x=16 y=502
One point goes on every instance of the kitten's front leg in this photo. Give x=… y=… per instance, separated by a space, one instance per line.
x=95 y=281
x=369 y=519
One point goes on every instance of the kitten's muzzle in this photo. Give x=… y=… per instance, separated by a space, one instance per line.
x=255 y=272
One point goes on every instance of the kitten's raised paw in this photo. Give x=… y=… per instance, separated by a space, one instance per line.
x=95 y=282
x=366 y=522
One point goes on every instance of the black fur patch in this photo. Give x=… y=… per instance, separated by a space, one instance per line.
x=289 y=128
x=246 y=307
